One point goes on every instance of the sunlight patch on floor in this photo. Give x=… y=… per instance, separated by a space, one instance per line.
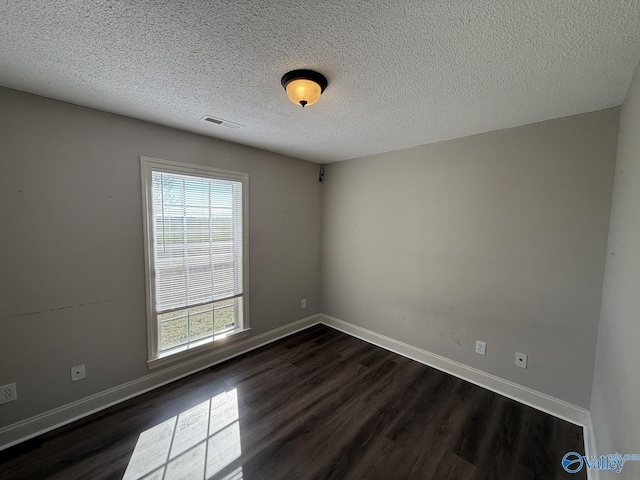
x=198 y=443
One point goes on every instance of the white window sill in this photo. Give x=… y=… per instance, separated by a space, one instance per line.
x=200 y=348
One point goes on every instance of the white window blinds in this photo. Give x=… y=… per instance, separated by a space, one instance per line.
x=197 y=229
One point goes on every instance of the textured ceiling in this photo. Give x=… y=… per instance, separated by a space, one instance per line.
x=401 y=73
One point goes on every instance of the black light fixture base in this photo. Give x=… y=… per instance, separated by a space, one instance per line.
x=306 y=75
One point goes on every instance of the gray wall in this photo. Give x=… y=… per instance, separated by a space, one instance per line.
x=616 y=384
x=72 y=273
x=498 y=237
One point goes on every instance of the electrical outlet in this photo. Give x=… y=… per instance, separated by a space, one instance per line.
x=77 y=373
x=521 y=360
x=303 y=304
x=8 y=393
x=481 y=347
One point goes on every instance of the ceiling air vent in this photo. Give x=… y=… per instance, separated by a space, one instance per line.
x=221 y=122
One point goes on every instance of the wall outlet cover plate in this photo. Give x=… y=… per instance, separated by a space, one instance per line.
x=521 y=360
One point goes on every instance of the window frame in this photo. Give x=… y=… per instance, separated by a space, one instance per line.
x=149 y=165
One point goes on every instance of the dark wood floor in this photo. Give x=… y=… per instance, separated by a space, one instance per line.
x=316 y=405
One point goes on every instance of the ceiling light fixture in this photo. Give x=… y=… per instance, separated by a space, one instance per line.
x=304 y=86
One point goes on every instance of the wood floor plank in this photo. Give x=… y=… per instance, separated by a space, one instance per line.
x=453 y=467
x=318 y=404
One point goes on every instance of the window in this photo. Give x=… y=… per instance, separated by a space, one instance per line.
x=196 y=257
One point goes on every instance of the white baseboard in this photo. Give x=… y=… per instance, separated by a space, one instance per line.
x=540 y=401
x=47 y=421
x=590 y=447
